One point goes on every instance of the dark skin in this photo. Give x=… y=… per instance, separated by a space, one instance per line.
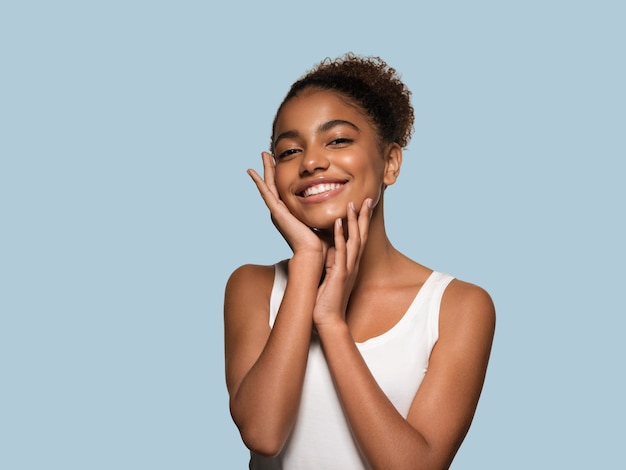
x=367 y=287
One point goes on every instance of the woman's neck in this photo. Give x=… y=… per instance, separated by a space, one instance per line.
x=380 y=258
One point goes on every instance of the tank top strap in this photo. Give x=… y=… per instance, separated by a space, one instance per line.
x=432 y=293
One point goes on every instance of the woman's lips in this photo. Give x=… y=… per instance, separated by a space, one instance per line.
x=320 y=190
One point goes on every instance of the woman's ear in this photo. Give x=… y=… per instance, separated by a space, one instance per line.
x=393 y=162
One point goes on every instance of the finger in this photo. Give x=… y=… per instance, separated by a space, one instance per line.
x=269 y=172
x=266 y=185
x=330 y=258
x=340 y=244
x=365 y=215
x=354 y=236
x=260 y=184
x=268 y=196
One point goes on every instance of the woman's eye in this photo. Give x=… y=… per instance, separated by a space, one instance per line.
x=340 y=141
x=286 y=153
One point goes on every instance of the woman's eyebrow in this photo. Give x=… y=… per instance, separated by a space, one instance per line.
x=336 y=122
x=293 y=134
x=286 y=135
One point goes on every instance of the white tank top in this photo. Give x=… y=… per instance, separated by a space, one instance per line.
x=398 y=360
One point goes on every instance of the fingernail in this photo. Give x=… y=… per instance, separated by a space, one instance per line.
x=369 y=203
x=351 y=204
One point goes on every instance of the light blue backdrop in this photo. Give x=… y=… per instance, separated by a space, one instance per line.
x=125 y=132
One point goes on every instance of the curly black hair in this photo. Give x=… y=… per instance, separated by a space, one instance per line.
x=372 y=85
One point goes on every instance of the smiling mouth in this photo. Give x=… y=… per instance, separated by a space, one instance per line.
x=320 y=188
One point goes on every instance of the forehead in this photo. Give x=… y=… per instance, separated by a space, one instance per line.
x=313 y=107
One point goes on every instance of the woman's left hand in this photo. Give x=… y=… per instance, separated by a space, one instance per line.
x=342 y=265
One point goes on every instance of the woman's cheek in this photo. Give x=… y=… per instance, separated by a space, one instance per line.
x=280 y=186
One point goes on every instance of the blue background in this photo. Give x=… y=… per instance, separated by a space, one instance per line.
x=125 y=132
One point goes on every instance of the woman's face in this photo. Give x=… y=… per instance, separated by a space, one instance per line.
x=327 y=155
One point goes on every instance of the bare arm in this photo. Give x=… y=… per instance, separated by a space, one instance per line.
x=443 y=408
x=444 y=405
x=265 y=367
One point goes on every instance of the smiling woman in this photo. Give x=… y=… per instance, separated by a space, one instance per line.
x=327 y=156
x=348 y=355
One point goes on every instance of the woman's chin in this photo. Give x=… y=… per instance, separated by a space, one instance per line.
x=324 y=220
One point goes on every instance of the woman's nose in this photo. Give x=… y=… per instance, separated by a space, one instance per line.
x=312 y=161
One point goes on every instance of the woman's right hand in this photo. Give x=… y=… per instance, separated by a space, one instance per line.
x=298 y=236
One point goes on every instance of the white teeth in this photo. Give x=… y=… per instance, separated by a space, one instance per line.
x=320 y=188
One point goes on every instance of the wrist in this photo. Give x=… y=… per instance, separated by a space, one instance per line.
x=332 y=327
x=307 y=260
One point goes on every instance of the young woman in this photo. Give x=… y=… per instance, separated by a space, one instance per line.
x=348 y=355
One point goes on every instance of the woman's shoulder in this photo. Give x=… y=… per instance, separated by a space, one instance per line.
x=467 y=307
x=251 y=275
x=248 y=289
x=463 y=293
x=254 y=270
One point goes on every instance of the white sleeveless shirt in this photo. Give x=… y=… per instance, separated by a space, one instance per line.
x=398 y=360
